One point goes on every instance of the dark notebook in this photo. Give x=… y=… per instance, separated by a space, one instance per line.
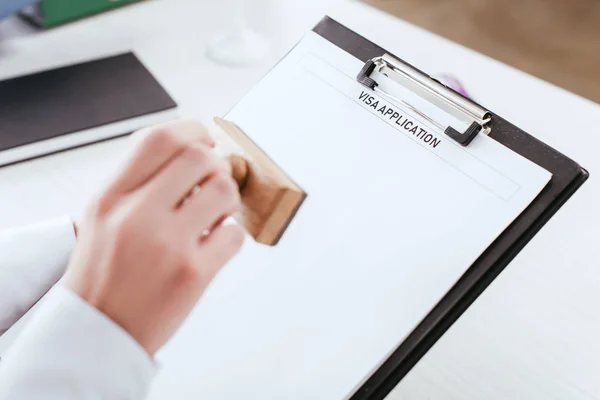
x=63 y=108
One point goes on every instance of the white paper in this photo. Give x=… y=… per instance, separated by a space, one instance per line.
x=391 y=222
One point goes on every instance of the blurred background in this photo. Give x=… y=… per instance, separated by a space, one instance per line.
x=555 y=40
x=525 y=338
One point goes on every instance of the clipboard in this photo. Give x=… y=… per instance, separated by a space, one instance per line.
x=567 y=177
x=403 y=226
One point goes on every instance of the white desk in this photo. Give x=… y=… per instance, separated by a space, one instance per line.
x=532 y=335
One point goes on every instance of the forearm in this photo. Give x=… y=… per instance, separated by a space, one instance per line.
x=32 y=260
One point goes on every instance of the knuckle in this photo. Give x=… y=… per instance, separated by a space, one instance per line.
x=196 y=126
x=229 y=243
x=225 y=186
x=231 y=240
x=124 y=227
x=174 y=134
x=160 y=137
x=121 y=229
x=223 y=166
x=101 y=206
x=196 y=155
x=187 y=271
x=236 y=237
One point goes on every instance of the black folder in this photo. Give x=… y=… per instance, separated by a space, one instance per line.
x=567 y=177
x=76 y=105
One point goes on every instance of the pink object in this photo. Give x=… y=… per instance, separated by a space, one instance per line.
x=453 y=83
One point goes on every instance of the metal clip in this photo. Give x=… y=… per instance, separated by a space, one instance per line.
x=431 y=90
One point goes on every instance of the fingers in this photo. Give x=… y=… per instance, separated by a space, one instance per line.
x=196 y=164
x=155 y=147
x=216 y=198
x=218 y=248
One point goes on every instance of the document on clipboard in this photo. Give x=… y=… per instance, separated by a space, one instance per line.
x=406 y=190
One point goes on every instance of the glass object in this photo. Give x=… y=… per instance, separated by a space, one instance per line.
x=239 y=45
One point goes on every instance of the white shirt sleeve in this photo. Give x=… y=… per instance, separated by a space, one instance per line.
x=32 y=260
x=71 y=351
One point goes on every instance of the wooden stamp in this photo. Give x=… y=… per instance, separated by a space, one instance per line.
x=270 y=198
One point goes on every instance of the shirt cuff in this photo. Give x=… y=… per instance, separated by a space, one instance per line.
x=77 y=352
x=33 y=259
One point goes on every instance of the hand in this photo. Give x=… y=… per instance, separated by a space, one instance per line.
x=149 y=245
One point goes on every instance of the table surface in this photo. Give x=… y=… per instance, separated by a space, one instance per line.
x=531 y=335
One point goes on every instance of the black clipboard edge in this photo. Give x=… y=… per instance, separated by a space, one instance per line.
x=433 y=327
x=567 y=177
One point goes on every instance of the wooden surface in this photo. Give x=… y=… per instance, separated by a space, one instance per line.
x=240 y=170
x=555 y=40
x=270 y=198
